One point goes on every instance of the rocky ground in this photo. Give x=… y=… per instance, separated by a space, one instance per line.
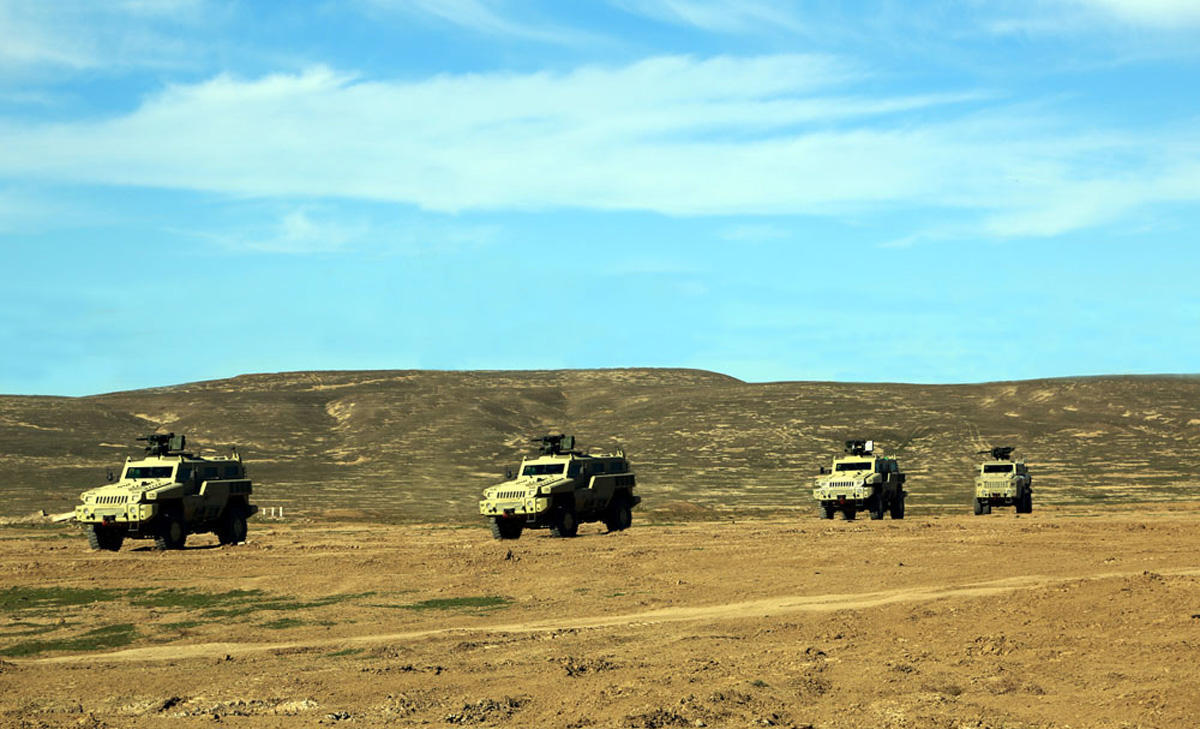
x=1079 y=617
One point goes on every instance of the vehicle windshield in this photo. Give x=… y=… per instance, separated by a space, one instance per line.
x=542 y=469
x=856 y=466
x=998 y=468
x=149 y=471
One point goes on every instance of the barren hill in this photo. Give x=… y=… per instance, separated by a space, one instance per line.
x=422 y=444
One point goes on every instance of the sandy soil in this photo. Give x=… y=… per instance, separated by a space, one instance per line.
x=1060 y=619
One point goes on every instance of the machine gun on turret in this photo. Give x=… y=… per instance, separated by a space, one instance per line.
x=555 y=445
x=860 y=447
x=159 y=444
x=1001 y=453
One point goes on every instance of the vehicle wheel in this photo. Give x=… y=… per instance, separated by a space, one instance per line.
x=897 y=508
x=171 y=533
x=875 y=507
x=978 y=507
x=506 y=529
x=562 y=523
x=987 y=507
x=106 y=539
x=849 y=513
x=233 y=527
x=620 y=516
x=826 y=511
x=1025 y=503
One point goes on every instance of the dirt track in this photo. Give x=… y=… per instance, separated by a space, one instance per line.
x=1059 y=619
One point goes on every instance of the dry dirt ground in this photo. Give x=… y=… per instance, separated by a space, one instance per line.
x=1065 y=618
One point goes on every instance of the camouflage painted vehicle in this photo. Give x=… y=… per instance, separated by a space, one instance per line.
x=166 y=495
x=1003 y=482
x=561 y=488
x=861 y=481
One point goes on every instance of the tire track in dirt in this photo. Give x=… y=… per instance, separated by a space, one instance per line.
x=764 y=607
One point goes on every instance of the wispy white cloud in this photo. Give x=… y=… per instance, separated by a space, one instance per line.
x=484 y=17
x=76 y=34
x=1153 y=13
x=675 y=135
x=720 y=16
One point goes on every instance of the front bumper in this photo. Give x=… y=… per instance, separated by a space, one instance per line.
x=997 y=492
x=843 y=495
x=528 y=508
x=127 y=515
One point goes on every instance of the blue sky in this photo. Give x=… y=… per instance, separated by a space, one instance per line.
x=880 y=191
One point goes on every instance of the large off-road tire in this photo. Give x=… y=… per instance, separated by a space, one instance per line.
x=233 y=526
x=987 y=507
x=826 y=511
x=105 y=539
x=1025 y=503
x=619 y=516
x=171 y=534
x=875 y=507
x=506 y=528
x=563 y=523
x=897 y=507
x=978 y=507
x=848 y=513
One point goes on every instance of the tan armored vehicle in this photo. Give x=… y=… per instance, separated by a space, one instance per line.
x=1003 y=482
x=167 y=495
x=861 y=481
x=560 y=489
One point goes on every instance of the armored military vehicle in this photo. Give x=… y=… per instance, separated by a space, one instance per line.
x=1003 y=482
x=861 y=481
x=166 y=495
x=561 y=488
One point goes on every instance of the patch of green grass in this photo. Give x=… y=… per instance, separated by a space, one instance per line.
x=345 y=652
x=22 y=628
x=484 y=602
x=759 y=683
x=183 y=624
x=23 y=599
x=617 y=594
x=110 y=636
x=192 y=599
x=282 y=623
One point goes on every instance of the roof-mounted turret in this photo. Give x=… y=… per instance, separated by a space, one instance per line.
x=169 y=444
x=860 y=447
x=555 y=445
x=1001 y=453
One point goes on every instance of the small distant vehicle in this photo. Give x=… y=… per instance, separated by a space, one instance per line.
x=561 y=488
x=1003 y=482
x=861 y=481
x=167 y=495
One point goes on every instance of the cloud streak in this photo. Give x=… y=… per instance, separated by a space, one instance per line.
x=776 y=134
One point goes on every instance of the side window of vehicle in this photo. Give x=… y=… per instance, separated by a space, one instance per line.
x=210 y=471
x=231 y=471
x=184 y=474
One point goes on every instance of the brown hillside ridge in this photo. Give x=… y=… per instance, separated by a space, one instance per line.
x=421 y=445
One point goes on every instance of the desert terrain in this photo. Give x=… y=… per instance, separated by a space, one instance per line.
x=381 y=600
x=1074 y=616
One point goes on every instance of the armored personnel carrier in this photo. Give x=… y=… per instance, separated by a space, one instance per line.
x=1003 y=482
x=561 y=488
x=166 y=495
x=861 y=481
